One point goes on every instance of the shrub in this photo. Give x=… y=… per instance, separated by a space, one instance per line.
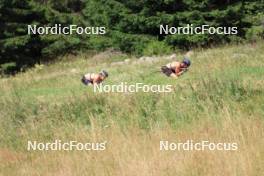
x=255 y=33
x=157 y=48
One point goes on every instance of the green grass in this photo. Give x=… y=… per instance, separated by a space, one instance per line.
x=231 y=83
x=49 y=101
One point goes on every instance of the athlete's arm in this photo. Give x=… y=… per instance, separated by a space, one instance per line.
x=97 y=79
x=173 y=75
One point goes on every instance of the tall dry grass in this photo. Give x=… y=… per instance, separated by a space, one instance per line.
x=136 y=152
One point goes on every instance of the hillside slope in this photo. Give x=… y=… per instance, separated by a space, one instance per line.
x=219 y=99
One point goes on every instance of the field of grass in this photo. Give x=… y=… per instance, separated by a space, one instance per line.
x=220 y=99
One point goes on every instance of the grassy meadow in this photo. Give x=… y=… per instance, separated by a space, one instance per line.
x=220 y=99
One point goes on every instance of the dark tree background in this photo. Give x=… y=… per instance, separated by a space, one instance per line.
x=131 y=25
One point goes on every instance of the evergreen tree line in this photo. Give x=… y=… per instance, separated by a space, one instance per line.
x=132 y=25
